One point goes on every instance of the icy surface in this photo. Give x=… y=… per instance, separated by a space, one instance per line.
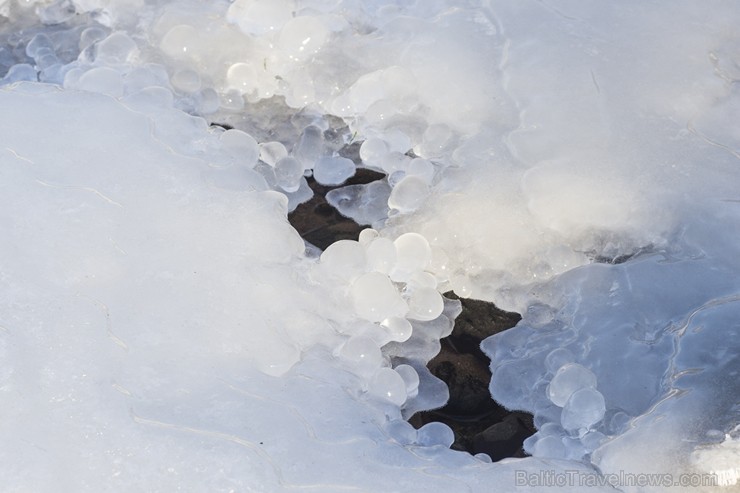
x=162 y=327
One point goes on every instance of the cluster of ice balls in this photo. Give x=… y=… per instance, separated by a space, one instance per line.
x=215 y=66
x=196 y=67
x=388 y=286
x=573 y=390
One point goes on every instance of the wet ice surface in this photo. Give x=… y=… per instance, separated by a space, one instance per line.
x=162 y=326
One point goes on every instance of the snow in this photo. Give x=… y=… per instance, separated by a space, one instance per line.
x=164 y=328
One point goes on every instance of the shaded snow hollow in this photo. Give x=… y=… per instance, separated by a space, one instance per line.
x=163 y=327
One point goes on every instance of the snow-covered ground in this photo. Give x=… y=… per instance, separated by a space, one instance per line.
x=163 y=327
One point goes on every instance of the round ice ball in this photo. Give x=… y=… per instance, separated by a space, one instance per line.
x=568 y=379
x=422 y=280
x=422 y=168
x=461 y=285
x=410 y=377
x=367 y=236
x=399 y=328
x=557 y=358
x=20 y=71
x=373 y=150
x=375 y=298
x=344 y=259
x=412 y=254
x=381 y=255
x=409 y=194
x=91 y=35
x=333 y=170
x=288 y=173
x=231 y=100
x=260 y=16
x=102 y=80
x=39 y=42
x=549 y=446
x=186 y=80
x=425 y=304
x=397 y=139
x=585 y=408
x=592 y=440
x=208 y=101
x=435 y=433
x=401 y=431
x=395 y=177
x=116 y=48
x=242 y=77
x=240 y=145
x=180 y=42
x=440 y=264
x=303 y=37
x=310 y=146
x=361 y=354
x=272 y=152
x=393 y=162
x=389 y=385
x=435 y=141
x=484 y=458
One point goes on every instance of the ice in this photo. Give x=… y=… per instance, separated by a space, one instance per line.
x=242 y=77
x=376 y=299
x=186 y=80
x=412 y=255
x=208 y=101
x=389 y=385
x=310 y=146
x=39 y=42
x=381 y=255
x=422 y=280
x=272 y=152
x=116 y=48
x=302 y=37
x=410 y=379
x=288 y=172
x=363 y=355
x=399 y=328
x=435 y=141
x=333 y=170
x=260 y=16
x=568 y=379
x=425 y=303
x=162 y=327
x=103 y=80
x=90 y=36
x=422 y=168
x=365 y=204
x=56 y=12
x=549 y=446
x=181 y=42
x=232 y=100
x=241 y=146
x=402 y=432
x=373 y=150
x=20 y=72
x=559 y=358
x=585 y=407
x=366 y=237
x=344 y=259
x=408 y=194
x=436 y=433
